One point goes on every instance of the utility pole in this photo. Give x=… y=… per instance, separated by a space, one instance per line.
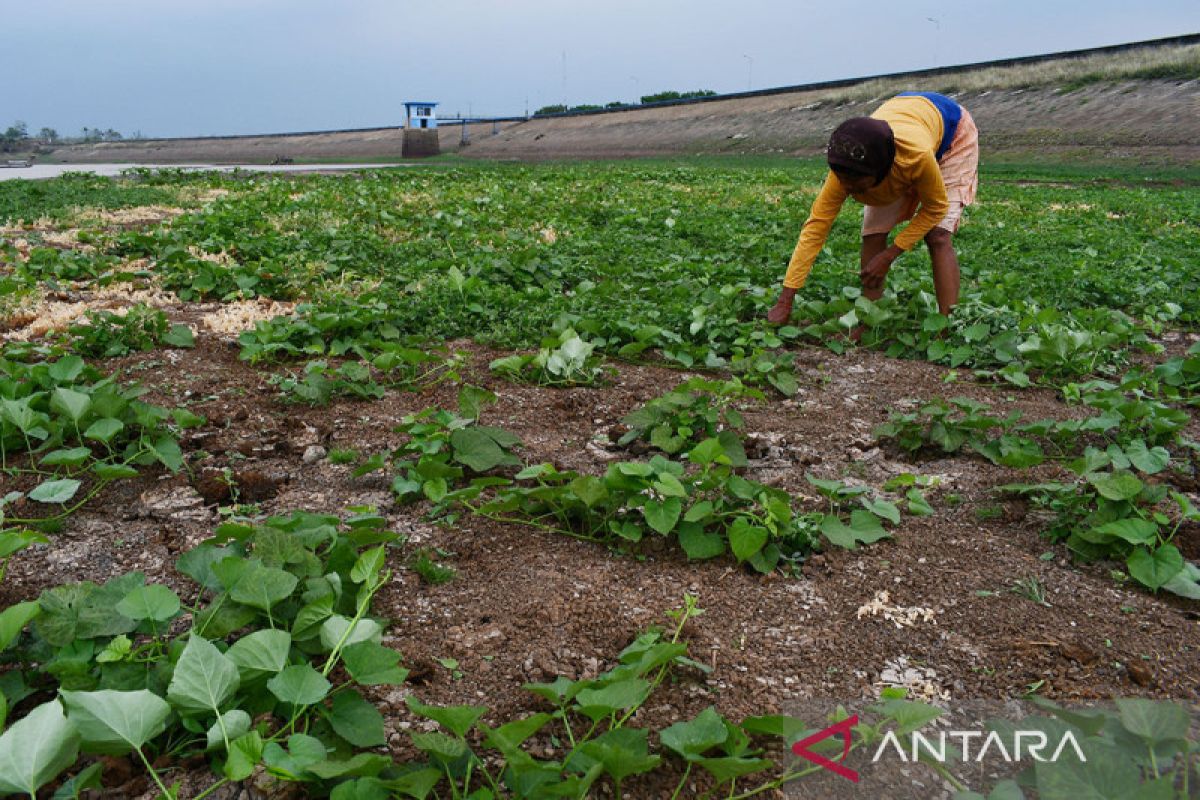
x=937 y=36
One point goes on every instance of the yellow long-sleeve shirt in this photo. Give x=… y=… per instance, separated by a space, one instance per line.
x=917 y=126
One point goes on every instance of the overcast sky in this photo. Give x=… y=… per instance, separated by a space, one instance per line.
x=194 y=67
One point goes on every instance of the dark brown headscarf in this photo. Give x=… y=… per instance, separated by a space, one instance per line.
x=862 y=146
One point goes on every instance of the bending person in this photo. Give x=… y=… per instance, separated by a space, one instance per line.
x=916 y=158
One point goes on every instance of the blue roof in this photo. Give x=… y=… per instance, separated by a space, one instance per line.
x=419 y=103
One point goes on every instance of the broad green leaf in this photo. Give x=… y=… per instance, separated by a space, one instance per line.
x=363 y=789
x=70 y=402
x=728 y=768
x=1154 y=721
x=1148 y=460
x=80 y=783
x=300 y=685
x=21 y=414
x=118 y=649
x=699 y=512
x=14 y=541
x=307 y=624
x=35 y=749
x=14 y=619
x=85 y=611
x=622 y=752
x=1119 y=485
x=662 y=516
x=509 y=736
x=707 y=452
x=699 y=544
x=557 y=692
x=884 y=509
x=1186 y=583
x=838 y=532
x=746 y=539
x=198 y=562
x=112 y=722
x=244 y=754
x=263 y=587
x=361 y=765
x=784 y=381
x=260 y=653
x=476 y=449
x=779 y=725
x=1107 y=774
x=67 y=369
x=154 y=602
x=356 y=720
x=73 y=457
x=179 y=335
x=691 y=739
x=338 y=629
x=456 y=719
x=1133 y=530
x=57 y=492
x=368 y=565
x=866 y=526
x=1155 y=568
x=439 y=746
x=104 y=429
x=186 y=419
x=372 y=664
x=472 y=399
x=909 y=715
x=113 y=472
x=166 y=450
x=204 y=679
x=617 y=696
x=237 y=723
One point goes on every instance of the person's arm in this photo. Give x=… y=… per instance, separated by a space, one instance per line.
x=815 y=231
x=812 y=238
x=931 y=191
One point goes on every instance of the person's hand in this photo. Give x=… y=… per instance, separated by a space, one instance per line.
x=782 y=309
x=876 y=270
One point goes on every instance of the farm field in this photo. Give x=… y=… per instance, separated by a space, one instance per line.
x=321 y=471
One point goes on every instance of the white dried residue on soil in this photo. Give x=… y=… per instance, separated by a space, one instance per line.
x=903 y=616
x=921 y=682
x=233 y=318
x=39 y=315
x=137 y=216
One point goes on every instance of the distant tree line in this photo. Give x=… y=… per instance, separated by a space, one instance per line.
x=17 y=137
x=648 y=98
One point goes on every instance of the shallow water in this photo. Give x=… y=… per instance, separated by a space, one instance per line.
x=38 y=171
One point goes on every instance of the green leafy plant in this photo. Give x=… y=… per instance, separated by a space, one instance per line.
x=393 y=366
x=1109 y=512
x=1146 y=749
x=709 y=510
x=65 y=429
x=694 y=410
x=853 y=518
x=138 y=328
x=432 y=572
x=565 y=361
x=281 y=606
x=443 y=447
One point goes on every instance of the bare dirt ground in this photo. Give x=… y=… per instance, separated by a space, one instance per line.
x=379 y=143
x=1151 y=121
x=932 y=609
x=1154 y=119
